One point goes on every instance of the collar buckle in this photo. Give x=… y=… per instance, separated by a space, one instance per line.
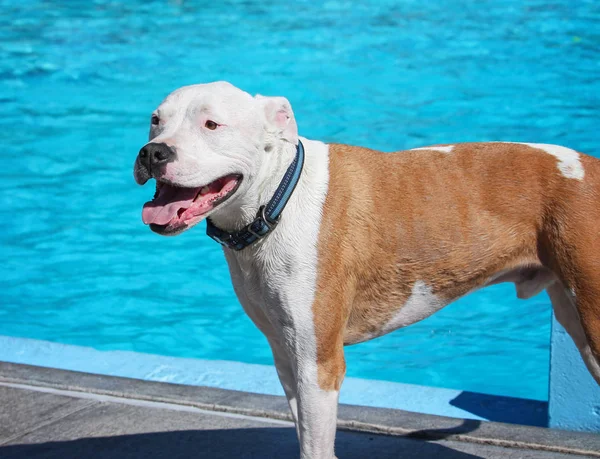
x=262 y=220
x=265 y=226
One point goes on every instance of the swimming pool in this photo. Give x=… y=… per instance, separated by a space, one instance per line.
x=78 y=81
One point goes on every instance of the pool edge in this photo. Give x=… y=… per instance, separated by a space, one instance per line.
x=354 y=418
x=262 y=379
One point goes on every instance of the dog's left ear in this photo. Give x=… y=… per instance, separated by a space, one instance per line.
x=279 y=117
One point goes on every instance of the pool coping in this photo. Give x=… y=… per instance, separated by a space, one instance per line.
x=262 y=379
x=350 y=417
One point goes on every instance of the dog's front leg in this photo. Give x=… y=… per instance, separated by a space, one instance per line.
x=317 y=419
x=312 y=386
x=285 y=371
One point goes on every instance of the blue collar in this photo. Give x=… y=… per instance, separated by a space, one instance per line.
x=268 y=216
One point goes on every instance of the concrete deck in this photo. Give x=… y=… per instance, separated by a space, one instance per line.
x=48 y=413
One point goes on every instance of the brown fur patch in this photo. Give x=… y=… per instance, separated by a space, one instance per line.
x=452 y=220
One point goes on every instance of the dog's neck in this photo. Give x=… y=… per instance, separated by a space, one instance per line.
x=243 y=208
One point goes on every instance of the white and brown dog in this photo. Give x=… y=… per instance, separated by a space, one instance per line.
x=369 y=242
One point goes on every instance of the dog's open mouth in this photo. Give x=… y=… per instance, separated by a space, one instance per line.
x=175 y=209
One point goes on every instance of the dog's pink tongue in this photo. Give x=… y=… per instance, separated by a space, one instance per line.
x=164 y=207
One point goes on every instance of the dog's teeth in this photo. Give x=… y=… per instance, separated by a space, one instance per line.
x=204 y=190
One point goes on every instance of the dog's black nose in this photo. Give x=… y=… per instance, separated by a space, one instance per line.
x=150 y=159
x=154 y=154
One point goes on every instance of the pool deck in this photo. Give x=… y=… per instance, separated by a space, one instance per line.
x=49 y=413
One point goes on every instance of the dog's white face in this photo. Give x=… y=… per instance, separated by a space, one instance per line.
x=208 y=144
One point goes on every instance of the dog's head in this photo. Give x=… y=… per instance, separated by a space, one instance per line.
x=209 y=145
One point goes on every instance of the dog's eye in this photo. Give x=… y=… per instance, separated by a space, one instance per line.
x=210 y=125
x=155 y=120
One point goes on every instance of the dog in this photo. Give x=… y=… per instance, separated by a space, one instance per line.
x=331 y=244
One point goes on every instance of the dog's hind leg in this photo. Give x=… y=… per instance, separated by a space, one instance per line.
x=568 y=307
x=567 y=245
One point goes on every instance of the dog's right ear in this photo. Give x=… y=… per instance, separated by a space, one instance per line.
x=279 y=118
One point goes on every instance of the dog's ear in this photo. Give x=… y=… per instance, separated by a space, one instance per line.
x=279 y=117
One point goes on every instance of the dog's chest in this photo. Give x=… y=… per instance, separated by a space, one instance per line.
x=275 y=279
x=257 y=289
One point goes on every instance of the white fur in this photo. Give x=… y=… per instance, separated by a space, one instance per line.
x=182 y=117
x=444 y=149
x=420 y=304
x=275 y=280
x=569 y=161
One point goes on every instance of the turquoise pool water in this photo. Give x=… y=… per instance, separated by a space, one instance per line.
x=79 y=79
